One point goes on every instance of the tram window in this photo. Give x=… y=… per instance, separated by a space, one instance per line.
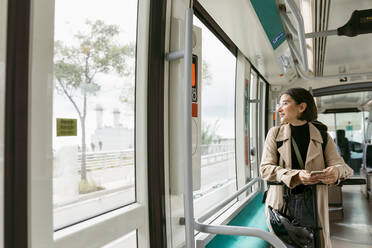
x=347 y=131
x=218 y=172
x=367 y=127
x=93 y=108
x=128 y=241
x=351 y=123
x=261 y=118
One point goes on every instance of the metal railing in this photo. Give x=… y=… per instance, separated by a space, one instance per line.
x=101 y=160
x=235 y=230
x=214 y=148
x=216 y=157
x=214 y=210
x=108 y=159
x=190 y=224
x=299 y=31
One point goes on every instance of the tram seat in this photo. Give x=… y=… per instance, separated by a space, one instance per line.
x=367 y=157
x=252 y=215
x=366 y=170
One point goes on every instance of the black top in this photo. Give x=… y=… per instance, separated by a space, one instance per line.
x=301 y=135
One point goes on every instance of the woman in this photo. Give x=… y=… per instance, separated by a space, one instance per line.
x=297 y=110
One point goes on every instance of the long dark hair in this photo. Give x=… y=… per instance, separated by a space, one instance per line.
x=300 y=95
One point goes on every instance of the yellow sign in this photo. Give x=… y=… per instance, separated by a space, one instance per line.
x=66 y=127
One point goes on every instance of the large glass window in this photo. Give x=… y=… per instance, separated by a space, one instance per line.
x=93 y=108
x=253 y=124
x=367 y=126
x=218 y=172
x=261 y=118
x=347 y=131
x=246 y=129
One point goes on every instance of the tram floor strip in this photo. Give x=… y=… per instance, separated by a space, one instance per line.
x=351 y=241
x=359 y=227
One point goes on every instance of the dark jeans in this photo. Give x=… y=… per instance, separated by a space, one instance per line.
x=300 y=207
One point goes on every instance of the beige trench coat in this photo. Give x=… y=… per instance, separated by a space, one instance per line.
x=314 y=161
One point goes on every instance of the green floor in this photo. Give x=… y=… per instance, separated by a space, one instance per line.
x=253 y=215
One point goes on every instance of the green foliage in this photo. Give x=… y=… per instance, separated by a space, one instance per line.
x=206 y=74
x=209 y=133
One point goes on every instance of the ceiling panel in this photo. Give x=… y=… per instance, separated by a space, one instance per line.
x=352 y=53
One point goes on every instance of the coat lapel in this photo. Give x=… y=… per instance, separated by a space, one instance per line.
x=315 y=148
x=285 y=149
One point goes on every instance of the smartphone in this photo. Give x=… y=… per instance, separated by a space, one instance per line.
x=316 y=172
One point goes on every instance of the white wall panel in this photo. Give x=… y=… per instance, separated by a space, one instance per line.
x=245 y=30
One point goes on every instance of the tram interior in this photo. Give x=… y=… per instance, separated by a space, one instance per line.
x=104 y=165
x=347 y=114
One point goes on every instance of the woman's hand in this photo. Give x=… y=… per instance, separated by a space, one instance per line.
x=329 y=175
x=306 y=178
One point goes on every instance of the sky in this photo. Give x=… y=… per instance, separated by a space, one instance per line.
x=218 y=97
x=70 y=19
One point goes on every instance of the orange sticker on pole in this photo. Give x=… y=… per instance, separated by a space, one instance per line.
x=193 y=76
x=194 y=110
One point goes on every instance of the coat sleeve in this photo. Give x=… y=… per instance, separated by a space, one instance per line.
x=333 y=158
x=269 y=168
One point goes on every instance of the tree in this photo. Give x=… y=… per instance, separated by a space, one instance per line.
x=209 y=133
x=206 y=74
x=76 y=67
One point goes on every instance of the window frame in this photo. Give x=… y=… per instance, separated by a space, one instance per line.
x=3 y=39
x=86 y=233
x=16 y=130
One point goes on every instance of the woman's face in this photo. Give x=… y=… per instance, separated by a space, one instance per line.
x=288 y=110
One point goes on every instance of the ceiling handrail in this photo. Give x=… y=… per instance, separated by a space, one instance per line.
x=301 y=58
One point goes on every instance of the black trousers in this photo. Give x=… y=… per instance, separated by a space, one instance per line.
x=300 y=207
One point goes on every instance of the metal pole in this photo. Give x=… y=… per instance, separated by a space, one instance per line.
x=335 y=121
x=188 y=198
x=304 y=76
x=241 y=231
x=295 y=51
x=315 y=209
x=175 y=55
x=321 y=34
x=288 y=23
x=214 y=210
x=300 y=30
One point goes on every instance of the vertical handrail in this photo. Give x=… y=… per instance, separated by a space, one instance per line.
x=190 y=223
x=186 y=54
x=300 y=31
x=188 y=197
